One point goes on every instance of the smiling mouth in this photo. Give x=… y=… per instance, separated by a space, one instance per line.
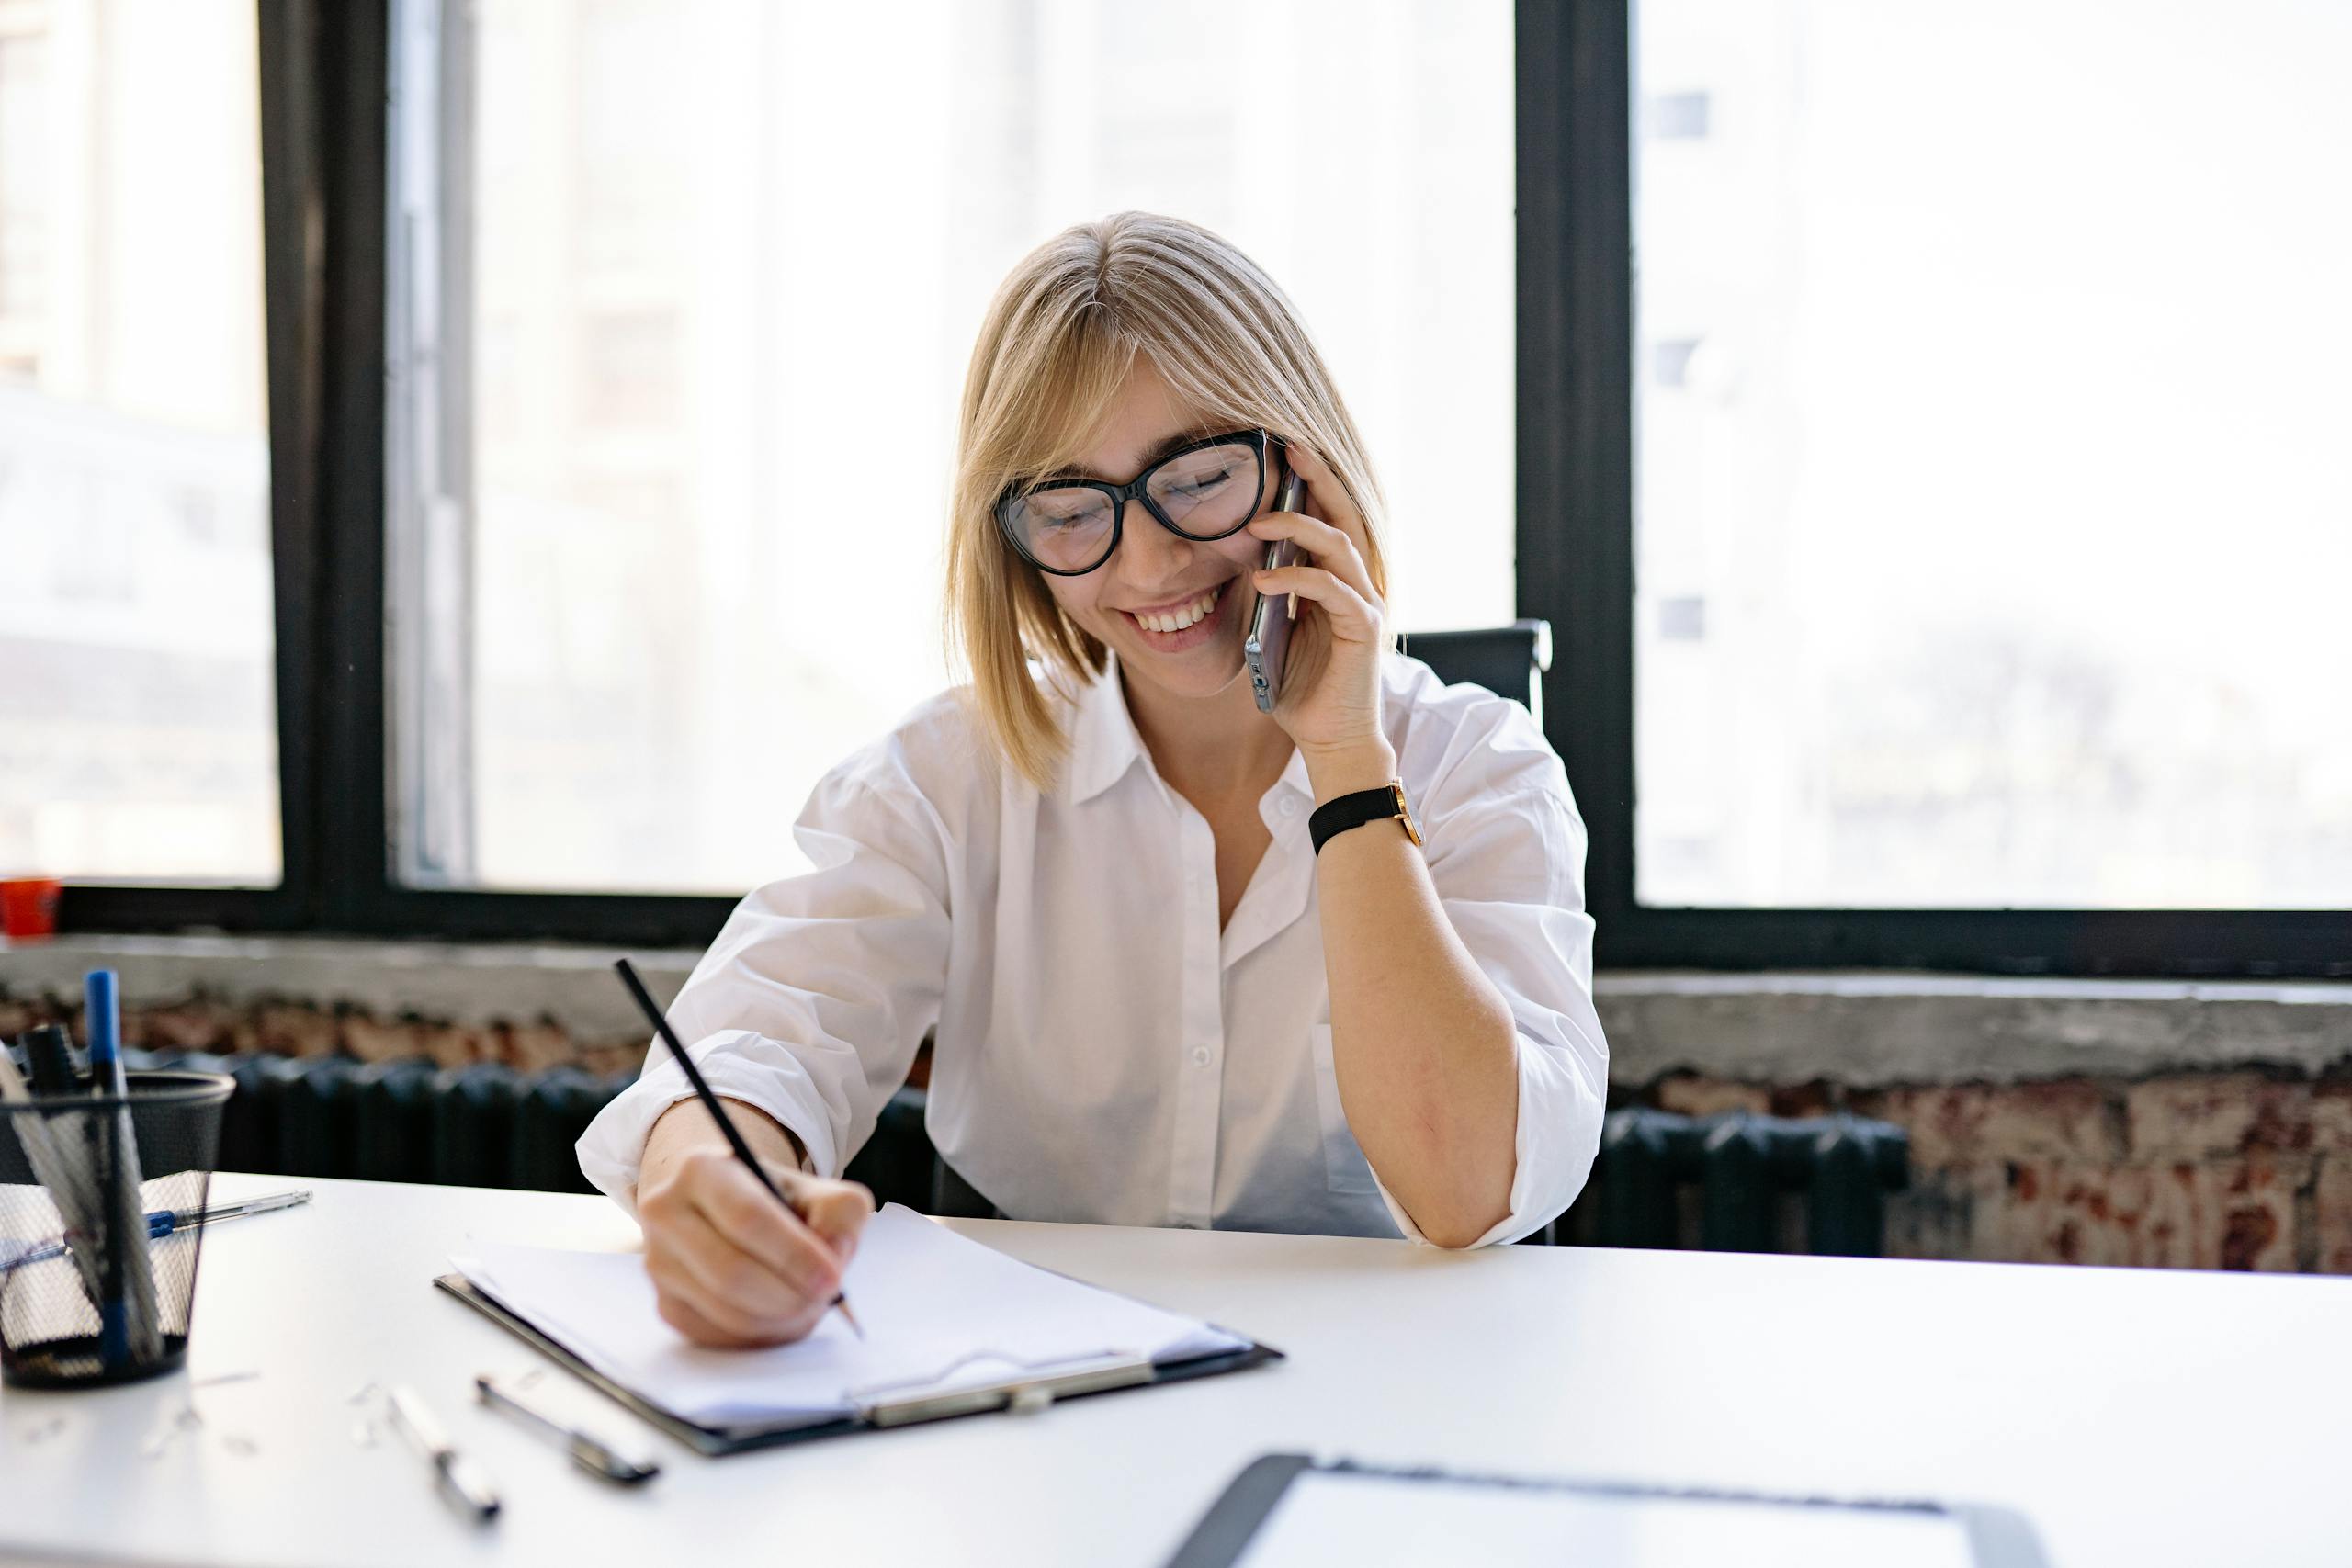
x=1190 y=613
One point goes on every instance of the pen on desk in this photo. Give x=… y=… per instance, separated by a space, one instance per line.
x=590 y=1453
x=171 y=1219
x=461 y=1481
x=161 y=1222
x=717 y=1111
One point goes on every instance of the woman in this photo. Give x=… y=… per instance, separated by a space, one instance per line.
x=1157 y=1001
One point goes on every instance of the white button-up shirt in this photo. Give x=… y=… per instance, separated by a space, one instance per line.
x=1104 y=1053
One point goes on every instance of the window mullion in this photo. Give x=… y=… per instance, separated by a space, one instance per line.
x=428 y=448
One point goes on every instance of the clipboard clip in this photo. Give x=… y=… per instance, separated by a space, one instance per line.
x=1024 y=1394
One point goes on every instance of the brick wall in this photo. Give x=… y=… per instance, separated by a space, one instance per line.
x=2227 y=1169
x=2214 y=1169
x=290 y=1028
x=2177 y=1124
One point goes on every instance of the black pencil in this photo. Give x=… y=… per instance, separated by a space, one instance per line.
x=717 y=1111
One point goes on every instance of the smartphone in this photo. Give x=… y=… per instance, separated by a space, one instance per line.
x=1270 y=624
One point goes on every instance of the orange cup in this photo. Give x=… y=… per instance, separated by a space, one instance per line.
x=28 y=907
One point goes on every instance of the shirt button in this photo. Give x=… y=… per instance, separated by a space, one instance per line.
x=1200 y=1056
x=1290 y=806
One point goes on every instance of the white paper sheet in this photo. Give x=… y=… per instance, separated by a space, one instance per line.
x=940 y=1312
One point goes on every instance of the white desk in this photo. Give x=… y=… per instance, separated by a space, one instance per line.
x=2137 y=1418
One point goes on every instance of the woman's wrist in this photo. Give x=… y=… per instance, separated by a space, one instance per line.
x=687 y=1126
x=1336 y=770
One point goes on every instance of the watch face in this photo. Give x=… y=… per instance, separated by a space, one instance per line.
x=1405 y=812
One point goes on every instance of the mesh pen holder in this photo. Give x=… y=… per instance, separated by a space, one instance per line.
x=98 y=1274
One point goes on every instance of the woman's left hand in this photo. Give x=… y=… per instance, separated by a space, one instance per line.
x=1330 y=704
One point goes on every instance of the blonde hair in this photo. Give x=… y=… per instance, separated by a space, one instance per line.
x=1059 y=338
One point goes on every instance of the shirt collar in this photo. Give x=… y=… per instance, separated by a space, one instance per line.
x=1104 y=742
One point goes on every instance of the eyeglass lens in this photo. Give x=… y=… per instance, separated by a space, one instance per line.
x=1203 y=494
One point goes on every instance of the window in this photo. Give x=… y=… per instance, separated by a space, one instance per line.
x=138 y=728
x=24 y=115
x=1993 y=488
x=1981 y=616
x=696 y=277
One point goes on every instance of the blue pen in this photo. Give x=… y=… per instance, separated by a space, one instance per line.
x=102 y=1016
x=102 y=1013
x=161 y=1222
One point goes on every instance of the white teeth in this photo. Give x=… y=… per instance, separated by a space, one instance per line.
x=1177 y=619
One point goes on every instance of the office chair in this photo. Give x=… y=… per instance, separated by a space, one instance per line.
x=1507 y=660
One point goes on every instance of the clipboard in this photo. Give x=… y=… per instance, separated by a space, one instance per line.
x=1029 y=1392
x=1998 y=1537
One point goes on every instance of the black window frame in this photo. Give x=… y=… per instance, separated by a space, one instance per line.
x=325 y=90
x=325 y=142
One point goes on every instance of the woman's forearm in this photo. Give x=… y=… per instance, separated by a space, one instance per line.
x=1423 y=1044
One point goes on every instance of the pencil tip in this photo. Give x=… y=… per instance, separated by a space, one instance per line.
x=849 y=1316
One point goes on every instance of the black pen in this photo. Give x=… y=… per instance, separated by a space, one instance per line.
x=592 y=1453
x=718 y=1112
x=49 y=1061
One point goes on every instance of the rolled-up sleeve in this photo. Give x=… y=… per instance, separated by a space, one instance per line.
x=1506 y=853
x=813 y=1000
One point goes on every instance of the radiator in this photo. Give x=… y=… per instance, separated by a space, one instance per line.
x=1740 y=1182
x=484 y=1125
x=1733 y=1183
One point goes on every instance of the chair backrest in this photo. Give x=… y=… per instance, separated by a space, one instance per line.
x=1507 y=660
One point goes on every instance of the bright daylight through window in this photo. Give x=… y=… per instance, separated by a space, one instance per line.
x=138 y=722
x=1994 y=488
x=708 y=278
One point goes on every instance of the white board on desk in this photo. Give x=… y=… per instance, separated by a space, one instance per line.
x=1368 y=1519
x=1285 y=1510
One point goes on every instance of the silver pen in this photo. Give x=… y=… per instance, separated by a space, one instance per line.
x=461 y=1480
x=212 y=1213
x=596 y=1455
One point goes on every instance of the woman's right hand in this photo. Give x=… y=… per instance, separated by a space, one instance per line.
x=732 y=1268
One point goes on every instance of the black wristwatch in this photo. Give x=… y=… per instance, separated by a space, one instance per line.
x=1343 y=812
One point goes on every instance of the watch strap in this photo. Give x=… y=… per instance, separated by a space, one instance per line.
x=1341 y=812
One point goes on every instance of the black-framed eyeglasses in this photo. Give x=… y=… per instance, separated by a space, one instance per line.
x=1202 y=491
